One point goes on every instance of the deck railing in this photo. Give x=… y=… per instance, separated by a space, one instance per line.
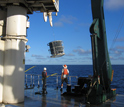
x=32 y=80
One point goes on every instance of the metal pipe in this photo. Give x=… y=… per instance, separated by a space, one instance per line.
x=38 y=82
x=70 y=79
x=57 y=82
x=31 y=81
x=26 y=81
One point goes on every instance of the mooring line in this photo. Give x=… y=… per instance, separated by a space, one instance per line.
x=49 y=75
x=29 y=68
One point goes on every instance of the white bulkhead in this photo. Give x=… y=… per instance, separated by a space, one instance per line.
x=2 y=32
x=16 y=21
x=13 y=26
x=14 y=66
x=1 y=69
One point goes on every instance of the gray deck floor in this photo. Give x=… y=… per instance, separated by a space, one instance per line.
x=54 y=99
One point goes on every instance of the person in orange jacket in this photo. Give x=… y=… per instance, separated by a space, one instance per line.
x=65 y=73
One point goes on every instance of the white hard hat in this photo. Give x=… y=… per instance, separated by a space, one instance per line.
x=45 y=69
x=65 y=66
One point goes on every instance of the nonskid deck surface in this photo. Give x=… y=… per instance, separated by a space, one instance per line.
x=54 y=99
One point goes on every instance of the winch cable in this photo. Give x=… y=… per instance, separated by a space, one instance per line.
x=117 y=34
x=118 y=31
x=114 y=40
x=49 y=75
x=53 y=33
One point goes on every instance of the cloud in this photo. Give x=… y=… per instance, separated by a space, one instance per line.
x=113 y=58
x=65 y=19
x=38 y=57
x=82 y=51
x=114 y=4
x=33 y=55
x=69 y=54
x=121 y=58
x=117 y=58
x=120 y=39
x=59 y=24
x=69 y=59
x=84 y=24
x=120 y=47
x=28 y=60
x=117 y=51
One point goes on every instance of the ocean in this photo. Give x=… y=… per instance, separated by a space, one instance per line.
x=74 y=70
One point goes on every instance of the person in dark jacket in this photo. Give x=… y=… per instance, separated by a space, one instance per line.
x=44 y=76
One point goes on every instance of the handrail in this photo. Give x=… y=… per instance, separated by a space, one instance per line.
x=53 y=75
x=34 y=79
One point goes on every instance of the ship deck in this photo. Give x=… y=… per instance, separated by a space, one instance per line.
x=54 y=99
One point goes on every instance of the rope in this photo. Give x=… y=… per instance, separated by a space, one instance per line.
x=53 y=34
x=116 y=35
x=118 y=31
x=29 y=68
x=49 y=75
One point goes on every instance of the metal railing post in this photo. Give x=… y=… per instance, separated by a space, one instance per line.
x=38 y=82
x=26 y=81
x=31 y=78
x=31 y=81
x=70 y=79
x=57 y=82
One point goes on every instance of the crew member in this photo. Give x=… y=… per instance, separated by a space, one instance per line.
x=44 y=76
x=64 y=75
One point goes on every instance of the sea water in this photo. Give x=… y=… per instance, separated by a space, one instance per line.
x=76 y=70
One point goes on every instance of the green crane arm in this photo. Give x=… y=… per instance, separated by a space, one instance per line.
x=101 y=62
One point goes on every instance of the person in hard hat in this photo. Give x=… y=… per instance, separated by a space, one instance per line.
x=44 y=76
x=65 y=73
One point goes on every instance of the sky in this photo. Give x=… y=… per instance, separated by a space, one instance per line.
x=71 y=25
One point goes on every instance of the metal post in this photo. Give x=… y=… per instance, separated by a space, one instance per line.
x=33 y=81
x=26 y=81
x=57 y=82
x=70 y=79
x=38 y=82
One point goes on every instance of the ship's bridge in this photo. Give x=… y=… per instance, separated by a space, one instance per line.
x=33 y=5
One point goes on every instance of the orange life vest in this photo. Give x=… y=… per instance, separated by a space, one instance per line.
x=65 y=72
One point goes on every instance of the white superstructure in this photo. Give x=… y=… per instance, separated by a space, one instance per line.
x=13 y=25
